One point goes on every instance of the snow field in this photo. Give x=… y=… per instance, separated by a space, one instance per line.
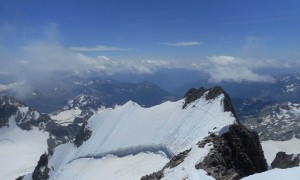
x=131 y=126
x=187 y=170
x=271 y=148
x=66 y=117
x=20 y=150
x=113 y=168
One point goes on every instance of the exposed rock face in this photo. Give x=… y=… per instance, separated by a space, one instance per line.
x=83 y=135
x=175 y=161
x=283 y=160
x=20 y=178
x=26 y=118
x=236 y=154
x=8 y=107
x=41 y=171
x=194 y=94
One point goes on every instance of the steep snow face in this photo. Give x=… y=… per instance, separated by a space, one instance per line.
x=277 y=174
x=20 y=149
x=166 y=125
x=130 y=129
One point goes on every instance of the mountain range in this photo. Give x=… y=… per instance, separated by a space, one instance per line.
x=91 y=126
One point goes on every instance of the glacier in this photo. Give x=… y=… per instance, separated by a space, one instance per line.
x=131 y=131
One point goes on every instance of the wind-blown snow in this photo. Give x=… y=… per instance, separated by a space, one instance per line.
x=277 y=174
x=271 y=148
x=20 y=150
x=132 y=127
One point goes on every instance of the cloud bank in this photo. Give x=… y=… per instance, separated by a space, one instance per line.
x=184 y=43
x=45 y=56
x=41 y=59
x=228 y=68
x=99 y=48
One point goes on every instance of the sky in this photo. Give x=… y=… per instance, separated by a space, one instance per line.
x=232 y=40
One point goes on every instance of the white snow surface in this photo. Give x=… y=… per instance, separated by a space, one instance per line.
x=187 y=170
x=132 y=128
x=112 y=167
x=277 y=174
x=20 y=150
x=271 y=148
x=66 y=117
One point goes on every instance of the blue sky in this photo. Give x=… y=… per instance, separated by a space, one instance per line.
x=199 y=32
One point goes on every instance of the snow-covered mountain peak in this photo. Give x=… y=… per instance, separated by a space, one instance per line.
x=24 y=115
x=83 y=101
x=130 y=141
x=166 y=129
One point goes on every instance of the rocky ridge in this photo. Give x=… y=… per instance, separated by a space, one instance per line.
x=26 y=118
x=283 y=160
x=235 y=154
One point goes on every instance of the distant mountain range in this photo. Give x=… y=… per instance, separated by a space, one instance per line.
x=174 y=140
x=129 y=129
x=50 y=96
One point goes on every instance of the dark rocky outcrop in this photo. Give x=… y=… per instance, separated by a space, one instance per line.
x=8 y=107
x=192 y=95
x=41 y=171
x=154 y=176
x=83 y=135
x=175 y=161
x=20 y=178
x=283 y=160
x=236 y=154
x=30 y=118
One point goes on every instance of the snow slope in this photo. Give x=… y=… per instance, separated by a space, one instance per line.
x=277 y=174
x=271 y=148
x=113 y=167
x=187 y=170
x=20 y=149
x=66 y=117
x=131 y=129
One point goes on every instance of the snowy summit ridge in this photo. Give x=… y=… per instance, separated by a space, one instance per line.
x=131 y=141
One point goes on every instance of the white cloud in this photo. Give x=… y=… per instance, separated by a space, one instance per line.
x=223 y=60
x=5 y=87
x=40 y=59
x=184 y=43
x=99 y=48
x=228 y=68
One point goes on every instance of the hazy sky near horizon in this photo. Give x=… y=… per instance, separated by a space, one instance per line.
x=229 y=40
